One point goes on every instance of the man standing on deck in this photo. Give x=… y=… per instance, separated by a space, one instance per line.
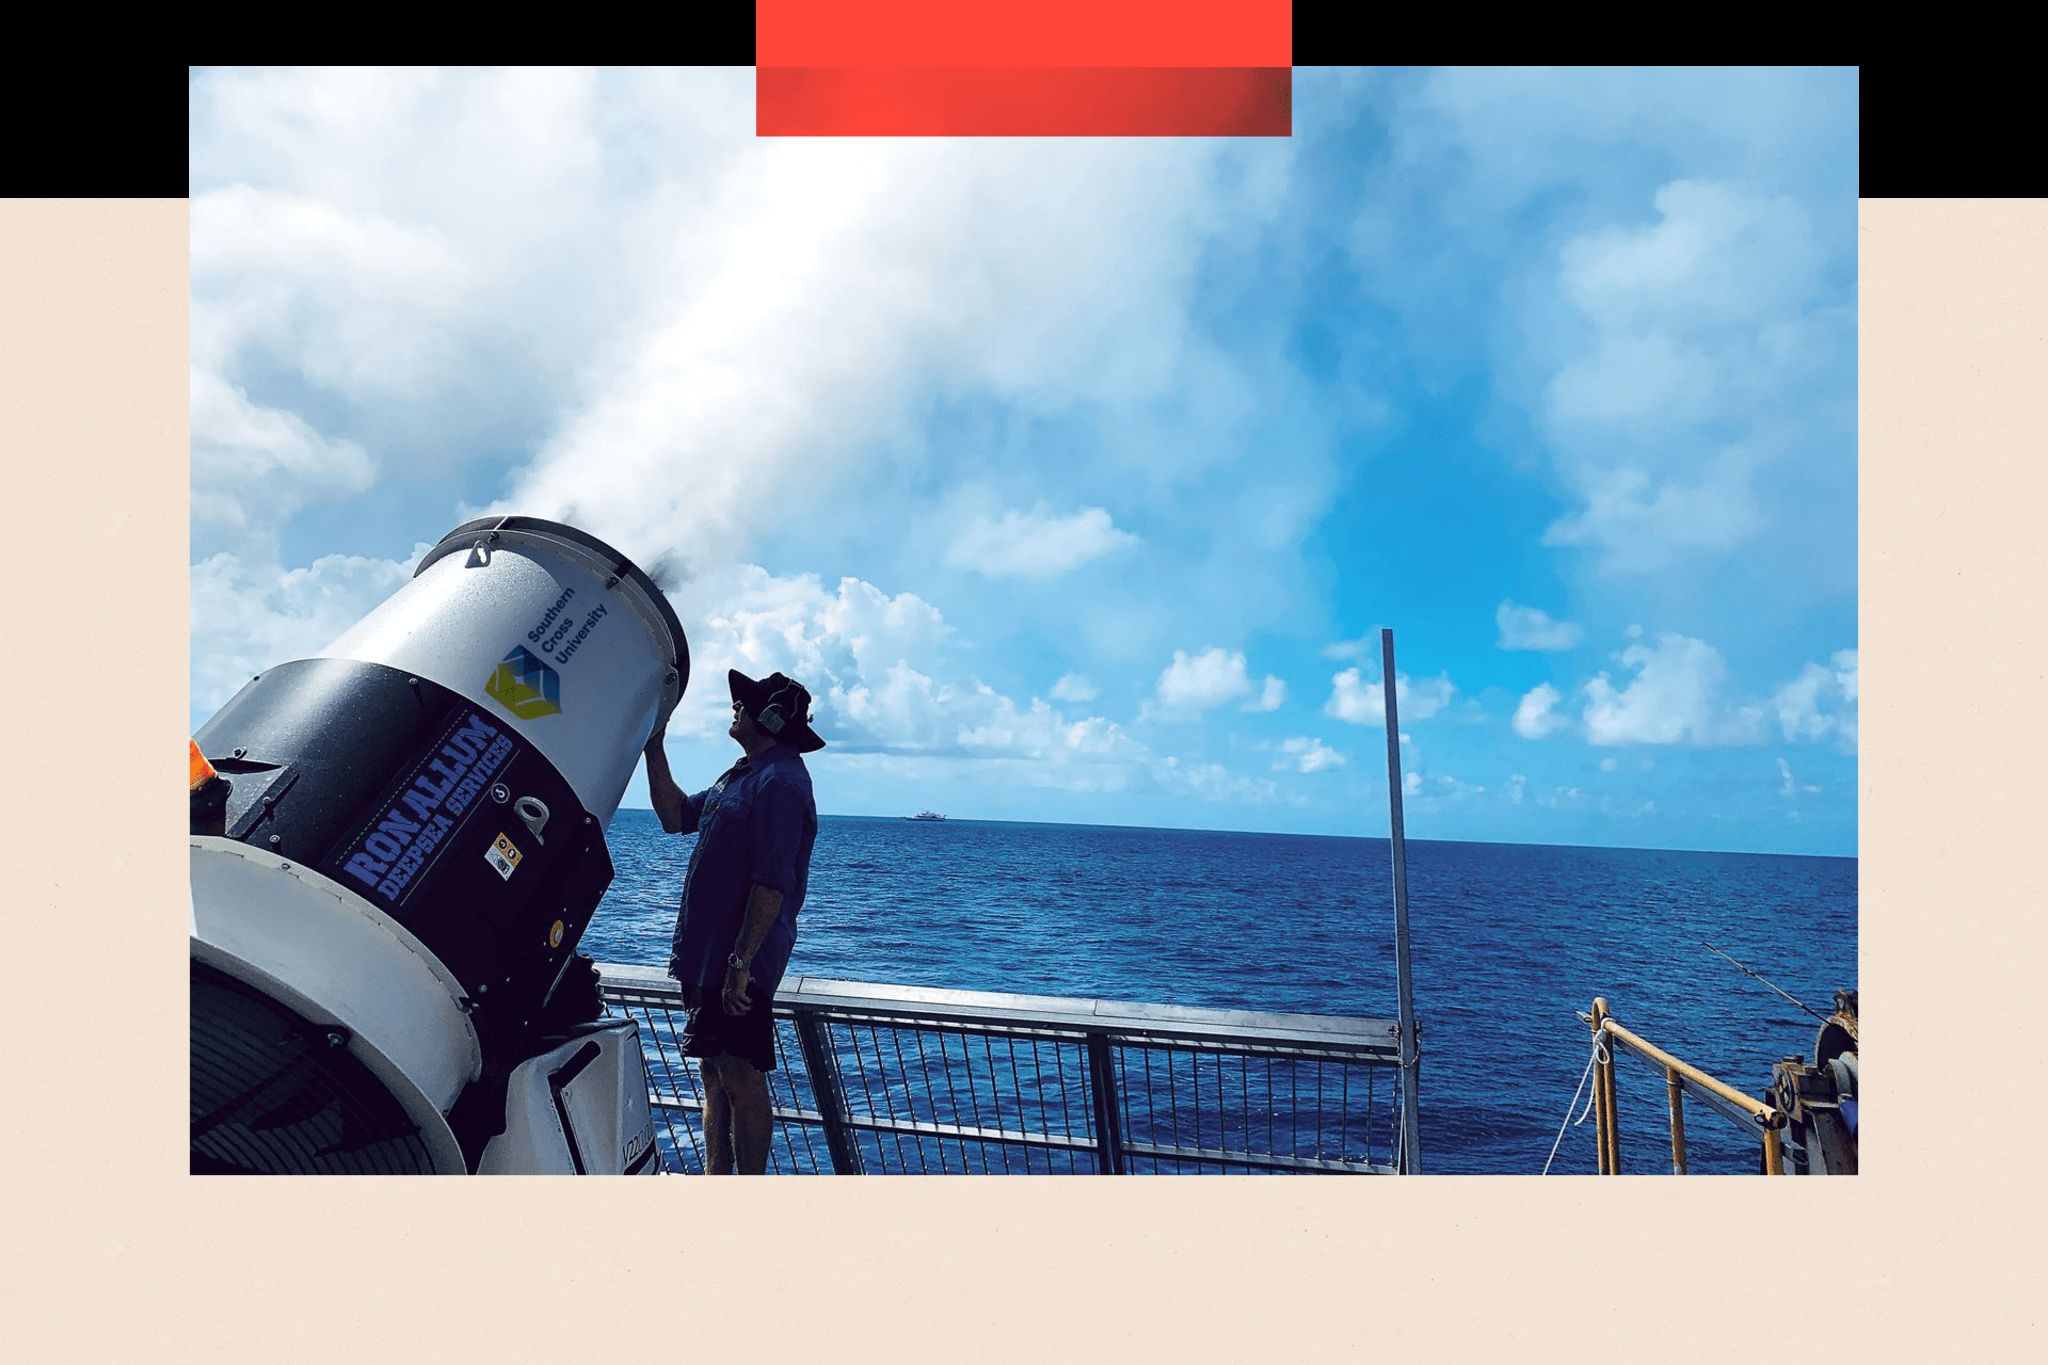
x=755 y=826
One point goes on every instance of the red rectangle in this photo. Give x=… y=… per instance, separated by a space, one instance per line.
x=1023 y=33
x=1029 y=102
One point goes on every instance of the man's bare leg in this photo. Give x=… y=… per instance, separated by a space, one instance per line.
x=746 y=1094
x=717 y=1118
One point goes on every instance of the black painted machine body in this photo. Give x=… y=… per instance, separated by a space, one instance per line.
x=401 y=849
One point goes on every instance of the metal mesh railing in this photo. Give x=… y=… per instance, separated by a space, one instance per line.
x=879 y=1079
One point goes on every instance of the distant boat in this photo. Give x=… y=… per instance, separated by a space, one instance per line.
x=925 y=815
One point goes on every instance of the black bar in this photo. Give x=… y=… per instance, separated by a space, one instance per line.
x=118 y=135
x=1927 y=132
x=1330 y=35
x=719 y=34
x=830 y=1094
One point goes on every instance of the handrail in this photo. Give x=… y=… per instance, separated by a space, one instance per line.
x=1077 y=1014
x=909 y=1078
x=1765 y=1115
x=1768 y=1120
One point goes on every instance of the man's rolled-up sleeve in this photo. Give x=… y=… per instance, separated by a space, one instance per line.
x=779 y=814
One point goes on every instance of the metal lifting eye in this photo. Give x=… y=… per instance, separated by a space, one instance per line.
x=533 y=813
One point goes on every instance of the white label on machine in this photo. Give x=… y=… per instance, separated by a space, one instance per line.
x=503 y=855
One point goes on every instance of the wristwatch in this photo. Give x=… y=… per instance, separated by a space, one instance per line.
x=733 y=960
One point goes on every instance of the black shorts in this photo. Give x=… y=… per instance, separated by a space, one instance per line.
x=708 y=1031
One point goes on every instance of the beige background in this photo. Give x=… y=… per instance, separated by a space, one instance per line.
x=112 y=1253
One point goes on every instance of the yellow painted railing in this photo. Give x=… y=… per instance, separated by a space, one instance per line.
x=1768 y=1121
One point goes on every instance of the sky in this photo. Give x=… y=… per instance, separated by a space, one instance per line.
x=1076 y=477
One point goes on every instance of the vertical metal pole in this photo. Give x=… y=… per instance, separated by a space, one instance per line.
x=1600 y=1119
x=1774 y=1152
x=1411 y=1044
x=830 y=1093
x=1675 y=1095
x=1109 y=1137
x=1611 y=1093
x=1614 y=1112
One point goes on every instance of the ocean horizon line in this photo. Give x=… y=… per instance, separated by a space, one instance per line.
x=1303 y=834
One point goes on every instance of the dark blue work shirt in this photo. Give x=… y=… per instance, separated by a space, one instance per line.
x=755 y=824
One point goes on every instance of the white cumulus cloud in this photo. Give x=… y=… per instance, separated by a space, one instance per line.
x=1202 y=682
x=1358 y=702
x=1696 y=328
x=1675 y=253
x=1641 y=523
x=1820 y=701
x=1536 y=715
x=1673 y=698
x=250 y=615
x=1037 y=544
x=1532 y=628
x=253 y=466
x=1797 y=704
x=1073 y=687
x=1844 y=661
x=1309 y=755
x=1270 y=697
x=891 y=693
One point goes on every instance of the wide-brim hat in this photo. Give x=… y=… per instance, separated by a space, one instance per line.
x=792 y=703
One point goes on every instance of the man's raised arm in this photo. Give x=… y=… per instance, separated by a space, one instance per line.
x=675 y=811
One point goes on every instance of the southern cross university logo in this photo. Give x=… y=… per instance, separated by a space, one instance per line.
x=525 y=686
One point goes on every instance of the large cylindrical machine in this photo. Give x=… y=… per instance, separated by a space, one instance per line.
x=1819 y=1100
x=397 y=844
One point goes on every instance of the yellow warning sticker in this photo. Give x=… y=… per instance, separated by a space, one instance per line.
x=504 y=855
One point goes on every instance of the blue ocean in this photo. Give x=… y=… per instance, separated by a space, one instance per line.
x=1510 y=942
